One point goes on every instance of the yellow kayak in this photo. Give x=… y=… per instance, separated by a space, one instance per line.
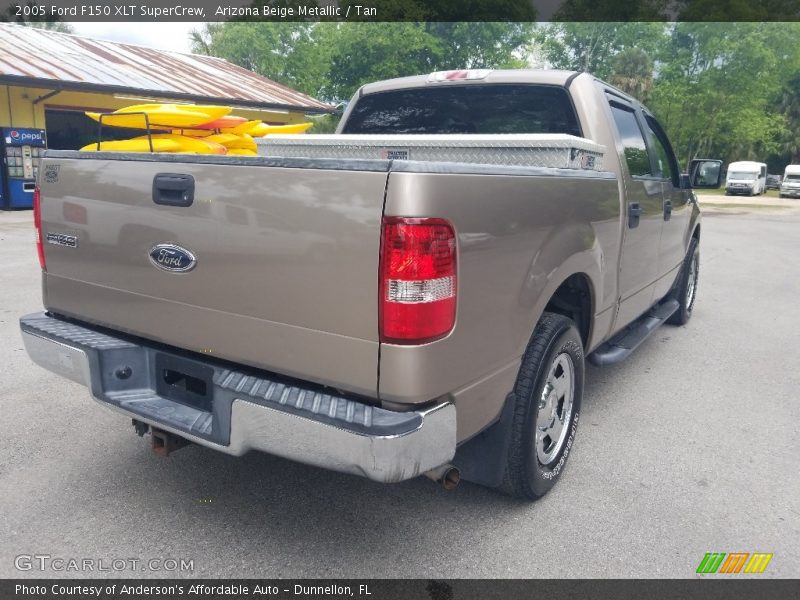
x=241 y=152
x=265 y=129
x=137 y=145
x=188 y=144
x=222 y=138
x=243 y=128
x=242 y=142
x=198 y=133
x=171 y=116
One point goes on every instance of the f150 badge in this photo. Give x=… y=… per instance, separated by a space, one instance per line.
x=172 y=258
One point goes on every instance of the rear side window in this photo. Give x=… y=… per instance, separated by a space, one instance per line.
x=632 y=141
x=490 y=109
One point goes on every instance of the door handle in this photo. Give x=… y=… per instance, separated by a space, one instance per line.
x=634 y=212
x=173 y=189
x=667 y=209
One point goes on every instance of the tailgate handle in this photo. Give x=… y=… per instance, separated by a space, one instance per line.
x=173 y=189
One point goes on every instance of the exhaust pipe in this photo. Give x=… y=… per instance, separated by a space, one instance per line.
x=165 y=443
x=447 y=475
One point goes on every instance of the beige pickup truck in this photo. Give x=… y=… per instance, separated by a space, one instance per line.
x=415 y=294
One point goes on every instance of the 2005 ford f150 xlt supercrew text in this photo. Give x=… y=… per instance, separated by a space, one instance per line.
x=415 y=294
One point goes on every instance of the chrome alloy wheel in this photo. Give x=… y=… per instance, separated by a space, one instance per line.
x=555 y=408
x=691 y=284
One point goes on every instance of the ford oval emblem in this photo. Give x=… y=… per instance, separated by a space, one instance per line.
x=172 y=258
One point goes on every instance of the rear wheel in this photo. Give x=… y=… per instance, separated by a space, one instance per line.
x=685 y=290
x=547 y=402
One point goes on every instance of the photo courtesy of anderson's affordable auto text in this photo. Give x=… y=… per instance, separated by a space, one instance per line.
x=389 y=300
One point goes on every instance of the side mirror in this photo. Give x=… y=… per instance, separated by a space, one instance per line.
x=705 y=173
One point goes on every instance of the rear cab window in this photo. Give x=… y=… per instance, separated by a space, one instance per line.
x=465 y=109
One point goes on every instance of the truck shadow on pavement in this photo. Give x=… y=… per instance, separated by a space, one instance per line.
x=264 y=501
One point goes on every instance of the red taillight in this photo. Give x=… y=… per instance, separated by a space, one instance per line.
x=37 y=223
x=417 y=280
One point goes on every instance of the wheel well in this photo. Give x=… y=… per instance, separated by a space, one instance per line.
x=573 y=299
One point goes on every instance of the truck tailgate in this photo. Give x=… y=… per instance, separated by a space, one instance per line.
x=286 y=258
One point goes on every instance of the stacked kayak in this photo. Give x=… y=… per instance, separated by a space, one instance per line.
x=187 y=129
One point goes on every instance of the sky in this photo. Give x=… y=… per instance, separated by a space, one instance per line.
x=164 y=36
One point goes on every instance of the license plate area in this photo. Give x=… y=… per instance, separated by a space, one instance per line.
x=184 y=381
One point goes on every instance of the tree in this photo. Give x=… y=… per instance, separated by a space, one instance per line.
x=715 y=86
x=331 y=60
x=286 y=52
x=364 y=52
x=633 y=73
x=592 y=47
x=789 y=107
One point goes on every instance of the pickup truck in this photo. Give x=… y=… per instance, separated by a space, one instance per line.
x=425 y=309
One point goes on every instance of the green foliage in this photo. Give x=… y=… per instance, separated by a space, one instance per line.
x=717 y=87
x=332 y=60
x=632 y=72
x=365 y=52
x=592 y=47
x=726 y=90
x=325 y=123
x=789 y=107
x=284 y=52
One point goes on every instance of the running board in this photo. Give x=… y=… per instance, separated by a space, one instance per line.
x=620 y=346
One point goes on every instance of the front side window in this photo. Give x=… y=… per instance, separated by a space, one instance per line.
x=633 y=142
x=667 y=165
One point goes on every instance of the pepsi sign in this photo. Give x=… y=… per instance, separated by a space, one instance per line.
x=24 y=137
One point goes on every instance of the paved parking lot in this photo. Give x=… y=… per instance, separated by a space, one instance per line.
x=690 y=446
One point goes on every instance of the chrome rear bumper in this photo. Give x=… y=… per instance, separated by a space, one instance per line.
x=244 y=411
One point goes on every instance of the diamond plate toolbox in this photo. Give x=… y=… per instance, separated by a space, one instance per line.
x=519 y=150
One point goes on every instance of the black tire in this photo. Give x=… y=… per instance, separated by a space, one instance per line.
x=681 y=290
x=555 y=338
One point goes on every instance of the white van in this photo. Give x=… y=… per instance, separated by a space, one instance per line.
x=790 y=187
x=746 y=177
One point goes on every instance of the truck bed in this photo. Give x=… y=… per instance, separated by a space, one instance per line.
x=287 y=259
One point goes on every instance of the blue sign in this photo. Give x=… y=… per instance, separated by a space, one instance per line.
x=24 y=137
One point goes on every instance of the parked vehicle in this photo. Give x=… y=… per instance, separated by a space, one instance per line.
x=746 y=177
x=428 y=310
x=773 y=182
x=790 y=187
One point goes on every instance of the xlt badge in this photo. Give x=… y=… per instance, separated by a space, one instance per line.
x=62 y=239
